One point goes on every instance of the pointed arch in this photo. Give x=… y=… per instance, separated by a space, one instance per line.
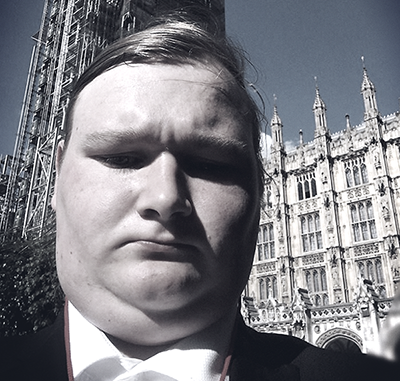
x=313 y=187
x=307 y=193
x=349 y=178
x=324 y=285
x=364 y=173
x=262 y=289
x=300 y=191
x=356 y=173
x=274 y=288
x=316 y=281
x=308 y=281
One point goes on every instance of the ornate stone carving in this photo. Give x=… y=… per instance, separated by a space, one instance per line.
x=372 y=248
x=339 y=332
x=313 y=258
x=266 y=267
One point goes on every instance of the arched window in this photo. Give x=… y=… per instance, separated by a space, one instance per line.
x=303 y=225
x=308 y=281
x=271 y=240
x=349 y=178
x=306 y=186
x=361 y=268
x=317 y=222
x=300 y=191
x=354 y=214
x=317 y=300
x=316 y=281
x=370 y=210
x=364 y=174
x=370 y=271
x=356 y=174
x=313 y=187
x=362 y=211
x=311 y=228
x=325 y=300
x=379 y=272
x=266 y=243
x=307 y=193
x=324 y=286
x=262 y=290
x=363 y=222
x=274 y=288
x=268 y=287
x=311 y=234
x=311 y=225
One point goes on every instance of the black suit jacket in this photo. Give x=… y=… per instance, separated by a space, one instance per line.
x=256 y=357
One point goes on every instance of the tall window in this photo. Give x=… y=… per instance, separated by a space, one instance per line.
x=311 y=232
x=268 y=287
x=356 y=172
x=306 y=186
x=363 y=221
x=317 y=285
x=263 y=292
x=316 y=280
x=266 y=243
x=372 y=269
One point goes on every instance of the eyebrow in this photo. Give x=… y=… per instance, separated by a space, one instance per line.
x=200 y=141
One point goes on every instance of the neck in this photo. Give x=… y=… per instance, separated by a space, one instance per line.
x=217 y=331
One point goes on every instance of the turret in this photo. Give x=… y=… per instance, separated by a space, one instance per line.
x=276 y=129
x=319 y=110
x=368 y=93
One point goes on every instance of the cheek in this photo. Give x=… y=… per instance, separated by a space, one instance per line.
x=88 y=197
x=229 y=214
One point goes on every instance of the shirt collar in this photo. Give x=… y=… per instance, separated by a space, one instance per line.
x=199 y=357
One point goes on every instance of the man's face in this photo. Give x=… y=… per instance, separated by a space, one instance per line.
x=157 y=201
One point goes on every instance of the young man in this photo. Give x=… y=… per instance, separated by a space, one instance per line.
x=157 y=198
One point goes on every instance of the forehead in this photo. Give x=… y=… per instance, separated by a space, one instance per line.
x=155 y=96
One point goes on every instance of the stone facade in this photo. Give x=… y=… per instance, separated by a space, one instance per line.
x=327 y=261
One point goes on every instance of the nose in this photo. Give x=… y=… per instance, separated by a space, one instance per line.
x=164 y=192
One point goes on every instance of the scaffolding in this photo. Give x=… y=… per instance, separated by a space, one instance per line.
x=71 y=33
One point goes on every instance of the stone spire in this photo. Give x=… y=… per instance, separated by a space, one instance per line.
x=319 y=110
x=368 y=93
x=276 y=129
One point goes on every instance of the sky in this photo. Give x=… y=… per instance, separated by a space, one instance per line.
x=289 y=42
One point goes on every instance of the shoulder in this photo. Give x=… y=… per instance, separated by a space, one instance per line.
x=271 y=349
x=317 y=363
x=262 y=356
x=38 y=356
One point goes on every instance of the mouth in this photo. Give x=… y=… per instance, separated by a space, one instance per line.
x=162 y=251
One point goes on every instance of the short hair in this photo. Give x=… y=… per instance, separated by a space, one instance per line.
x=176 y=39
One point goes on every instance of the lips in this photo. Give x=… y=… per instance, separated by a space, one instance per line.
x=167 y=251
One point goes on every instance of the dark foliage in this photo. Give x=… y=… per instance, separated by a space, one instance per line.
x=30 y=294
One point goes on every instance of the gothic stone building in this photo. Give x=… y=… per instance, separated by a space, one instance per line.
x=327 y=261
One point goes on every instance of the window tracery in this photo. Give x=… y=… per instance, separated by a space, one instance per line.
x=311 y=232
x=356 y=172
x=363 y=221
x=306 y=186
x=266 y=242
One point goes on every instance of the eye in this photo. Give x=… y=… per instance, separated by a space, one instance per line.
x=122 y=161
x=215 y=171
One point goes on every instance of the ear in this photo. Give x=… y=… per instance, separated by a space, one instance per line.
x=59 y=157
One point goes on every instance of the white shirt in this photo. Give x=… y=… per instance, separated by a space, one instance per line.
x=196 y=358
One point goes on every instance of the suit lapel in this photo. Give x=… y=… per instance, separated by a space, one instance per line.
x=263 y=357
